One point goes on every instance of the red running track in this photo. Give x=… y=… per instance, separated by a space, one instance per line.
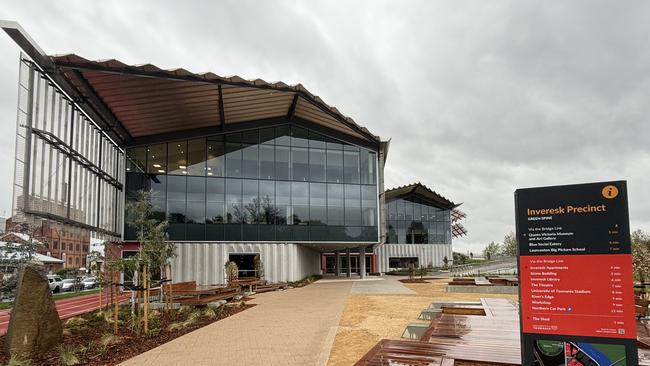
x=68 y=308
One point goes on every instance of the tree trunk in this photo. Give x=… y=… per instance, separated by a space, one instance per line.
x=145 y=284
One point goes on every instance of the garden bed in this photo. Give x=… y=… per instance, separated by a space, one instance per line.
x=415 y=280
x=88 y=339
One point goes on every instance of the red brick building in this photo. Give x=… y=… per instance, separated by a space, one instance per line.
x=69 y=244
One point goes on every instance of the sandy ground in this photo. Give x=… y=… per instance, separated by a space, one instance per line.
x=367 y=318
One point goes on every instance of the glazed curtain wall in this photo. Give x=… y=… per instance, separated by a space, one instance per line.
x=417 y=223
x=275 y=184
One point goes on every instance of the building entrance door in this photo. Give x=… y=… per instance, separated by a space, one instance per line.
x=245 y=263
x=354 y=264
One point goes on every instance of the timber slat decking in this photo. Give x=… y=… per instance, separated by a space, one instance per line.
x=492 y=339
x=389 y=352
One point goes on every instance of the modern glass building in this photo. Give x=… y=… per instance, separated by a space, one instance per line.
x=237 y=167
x=275 y=184
x=418 y=228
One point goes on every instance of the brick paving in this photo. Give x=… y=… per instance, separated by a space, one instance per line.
x=293 y=327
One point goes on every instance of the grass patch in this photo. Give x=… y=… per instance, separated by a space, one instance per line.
x=68 y=295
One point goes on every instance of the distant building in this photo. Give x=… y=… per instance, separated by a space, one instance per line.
x=69 y=244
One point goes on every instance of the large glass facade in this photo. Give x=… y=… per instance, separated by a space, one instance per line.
x=282 y=183
x=412 y=222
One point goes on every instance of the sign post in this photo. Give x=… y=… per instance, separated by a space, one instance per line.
x=575 y=275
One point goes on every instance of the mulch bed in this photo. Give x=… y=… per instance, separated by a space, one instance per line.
x=129 y=344
x=415 y=280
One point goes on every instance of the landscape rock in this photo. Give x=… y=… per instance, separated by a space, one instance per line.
x=34 y=326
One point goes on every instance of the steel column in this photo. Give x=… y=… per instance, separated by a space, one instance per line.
x=349 y=269
x=362 y=262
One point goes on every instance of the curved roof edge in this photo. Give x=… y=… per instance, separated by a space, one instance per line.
x=421 y=191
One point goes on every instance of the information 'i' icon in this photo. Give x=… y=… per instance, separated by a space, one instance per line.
x=610 y=191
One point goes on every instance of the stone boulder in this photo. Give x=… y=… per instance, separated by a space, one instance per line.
x=34 y=327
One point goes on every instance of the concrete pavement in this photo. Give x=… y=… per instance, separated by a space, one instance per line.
x=292 y=327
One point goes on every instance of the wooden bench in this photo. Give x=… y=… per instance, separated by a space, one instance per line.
x=188 y=293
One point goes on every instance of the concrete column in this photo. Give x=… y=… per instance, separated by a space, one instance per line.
x=362 y=262
x=347 y=254
x=337 y=262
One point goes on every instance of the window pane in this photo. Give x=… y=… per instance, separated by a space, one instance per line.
x=177 y=158
x=334 y=144
x=233 y=201
x=417 y=212
x=136 y=162
x=317 y=204
x=408 y=210
x=299 y=137
x=215 y=212
x=401 y=232
x=316 y=165
x=400 y=209
x=283 y=203
x=267 y=136
x=392 y=210
x=158 y=185
x=300 y=163
x=369 y=196
x=176 y=186
x=335 y=204
x=157 y=159
x=267 y=162
x=369 y=216
x=351 y=164
x=300 y=203
x=267 y=203
x=282 y=159
x=196 y=157
x=368 y=164
x=250 y=137
x=250 y=158
x=196 y=212
x=316 y=140
x=334 y=166
x=176 y=211
x=282 y=136
x=216 y=161
x=251 y=209
x=233 y=159
x=352 y=205
x=196 y=189
x=216 y=189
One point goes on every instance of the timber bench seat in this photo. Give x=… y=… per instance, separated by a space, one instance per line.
x=188 y=293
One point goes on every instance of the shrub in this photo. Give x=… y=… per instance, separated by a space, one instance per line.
x=76 y=322
x=18 y=361
x=67 y=356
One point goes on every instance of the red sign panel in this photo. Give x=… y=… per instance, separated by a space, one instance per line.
x=579 y=295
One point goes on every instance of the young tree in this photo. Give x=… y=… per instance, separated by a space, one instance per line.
x=445 y=261
x=155 y=251
x=509 y=247
x=15 y=255
x=491 y=251
x=641 y=255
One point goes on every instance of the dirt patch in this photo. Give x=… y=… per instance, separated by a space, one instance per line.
x=90 y=338
x=367 y=318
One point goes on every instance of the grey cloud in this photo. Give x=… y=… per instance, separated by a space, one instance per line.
x=479 y=98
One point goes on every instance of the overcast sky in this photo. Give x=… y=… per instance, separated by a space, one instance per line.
x=479 y=98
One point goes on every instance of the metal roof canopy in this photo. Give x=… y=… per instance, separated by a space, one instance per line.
x=422 y=192
x=143 y=104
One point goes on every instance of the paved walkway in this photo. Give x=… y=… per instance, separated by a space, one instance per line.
x=381 y=285
x=293 y=327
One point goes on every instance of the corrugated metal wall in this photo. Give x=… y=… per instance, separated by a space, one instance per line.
x=427 y=253
x=204 y=262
